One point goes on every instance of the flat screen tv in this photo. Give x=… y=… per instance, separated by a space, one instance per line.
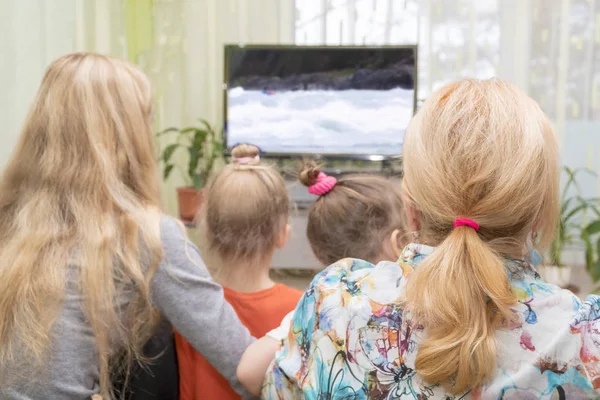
x=329 y=101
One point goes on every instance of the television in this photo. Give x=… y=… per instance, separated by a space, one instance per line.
x=320 y=101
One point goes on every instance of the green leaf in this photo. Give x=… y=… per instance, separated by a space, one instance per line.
x=595 y=271
x=572 y=179
x=589 y=249
x=168 y=130
x=574 y=212
x=187 y=130
x=199 y=139
x=593 y=228
x=194 y=160
x=168 y=152
x=167 y=171
x=595 y=210
x=206 y=125
x=568 y=183
x=198 y=181
x=565 y=205
x=203 y=148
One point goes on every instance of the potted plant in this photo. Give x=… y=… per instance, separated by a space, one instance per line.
x=571 y=228
x=590 y=236
x=204 y=147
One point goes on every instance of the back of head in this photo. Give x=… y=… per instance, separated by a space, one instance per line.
x=247 y=206
x=80 y=193
x=354 y=218
x=485 y=151
x=90 y=127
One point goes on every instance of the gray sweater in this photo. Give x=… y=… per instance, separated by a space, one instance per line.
x=185 y=294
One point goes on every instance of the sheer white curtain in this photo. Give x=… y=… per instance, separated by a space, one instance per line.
x=32 y=33
x=458 y=38
x=178 y=43
x=550 y=48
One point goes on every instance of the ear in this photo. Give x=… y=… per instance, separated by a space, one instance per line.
x=391 y=250
x=396 y=243
x=413 y=218
x=283 y=237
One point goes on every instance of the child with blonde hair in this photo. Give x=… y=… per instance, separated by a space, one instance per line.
x=356 y=215
x=245 y=220
x=464 y=314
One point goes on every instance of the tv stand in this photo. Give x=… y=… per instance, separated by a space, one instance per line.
x=386 y=169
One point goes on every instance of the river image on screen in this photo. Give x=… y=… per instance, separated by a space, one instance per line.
x=321 y=101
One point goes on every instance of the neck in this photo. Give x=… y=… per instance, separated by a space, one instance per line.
x=246 y=277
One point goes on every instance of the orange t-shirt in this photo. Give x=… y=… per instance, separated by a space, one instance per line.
x=260 y=312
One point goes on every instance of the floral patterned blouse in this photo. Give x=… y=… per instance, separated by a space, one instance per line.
x=351 y=339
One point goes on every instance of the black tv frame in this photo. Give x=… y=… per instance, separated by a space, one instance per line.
x=320 y=156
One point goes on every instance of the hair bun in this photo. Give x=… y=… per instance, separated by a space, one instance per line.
x=309 y=172
x=245 y=154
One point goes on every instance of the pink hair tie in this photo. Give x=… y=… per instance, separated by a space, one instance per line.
x=466 y=222
x=323 y=185
x=245 y=160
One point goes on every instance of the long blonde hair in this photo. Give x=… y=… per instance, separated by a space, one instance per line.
x=79 y=209
x=481 y=150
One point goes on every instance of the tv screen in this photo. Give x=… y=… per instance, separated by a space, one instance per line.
x=319 y=100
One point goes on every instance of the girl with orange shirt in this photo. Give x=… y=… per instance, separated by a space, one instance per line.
x=245 y=221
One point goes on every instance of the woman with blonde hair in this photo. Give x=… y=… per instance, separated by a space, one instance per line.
x=464 y=313
x=88 y=260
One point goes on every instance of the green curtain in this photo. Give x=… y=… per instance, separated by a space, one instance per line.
x=139 y=27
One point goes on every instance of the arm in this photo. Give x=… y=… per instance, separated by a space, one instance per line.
x=291 y=363
x=257 y=357
x=288 y=369
x=184 y=292
x=255 y=362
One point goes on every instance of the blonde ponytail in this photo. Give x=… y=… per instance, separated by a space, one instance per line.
x=483 y=150
x=462 y=292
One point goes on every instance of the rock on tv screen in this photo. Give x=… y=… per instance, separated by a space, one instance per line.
x=320 y=100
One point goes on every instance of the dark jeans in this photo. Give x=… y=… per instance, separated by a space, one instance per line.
x=160 y=379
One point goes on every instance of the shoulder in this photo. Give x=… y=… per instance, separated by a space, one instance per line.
x=383 y=282
x=344 y=308
x=348 y=290
x=289 y=293
x=174 y=239
x=179 y=253
x=171 y=229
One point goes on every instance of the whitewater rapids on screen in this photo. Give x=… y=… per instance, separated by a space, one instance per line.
x=320 y=121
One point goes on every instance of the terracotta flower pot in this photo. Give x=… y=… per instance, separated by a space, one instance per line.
x=189 y=200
